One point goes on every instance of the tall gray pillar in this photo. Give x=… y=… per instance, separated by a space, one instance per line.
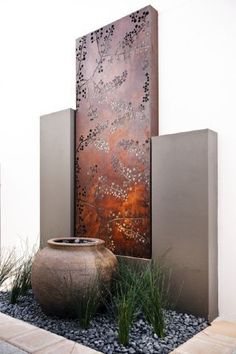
x=56 y=175
x=184 y=217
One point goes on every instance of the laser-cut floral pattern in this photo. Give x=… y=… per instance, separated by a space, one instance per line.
x=116 y=116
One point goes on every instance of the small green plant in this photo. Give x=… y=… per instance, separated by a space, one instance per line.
x=124 y=301
x=139 y=288
x=154 y=297
x=86 y=307
x=80 y=304
x=22 y=280
x=126 y=307
x=7 y=265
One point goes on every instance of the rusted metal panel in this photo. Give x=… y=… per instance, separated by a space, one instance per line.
x=117 y=105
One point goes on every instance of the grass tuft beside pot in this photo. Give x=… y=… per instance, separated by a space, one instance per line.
x=84 y=306
x=22 y=278
x=138 y=289
x=122 y=300
x=154 y=297
x=7 y=265
x=126 y=308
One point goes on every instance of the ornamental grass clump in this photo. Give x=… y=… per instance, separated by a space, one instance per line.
x=85 y=306
x=124 y=300
x=82 y=305
x=140 y=288
x=22 y=280
x=7 y=265
x=154 y=297
x=126 y=307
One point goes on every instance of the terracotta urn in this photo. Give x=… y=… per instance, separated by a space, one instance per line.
x=68 y=269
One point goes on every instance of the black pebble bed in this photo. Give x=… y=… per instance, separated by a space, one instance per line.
x=102 y=334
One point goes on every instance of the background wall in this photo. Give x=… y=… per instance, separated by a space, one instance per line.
x=197 y=82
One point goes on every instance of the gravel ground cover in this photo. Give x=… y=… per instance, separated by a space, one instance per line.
x=102 y=334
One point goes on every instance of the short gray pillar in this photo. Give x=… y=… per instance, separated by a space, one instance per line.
x=184 y=217
x=56 y=175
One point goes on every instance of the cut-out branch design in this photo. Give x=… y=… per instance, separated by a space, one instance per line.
x=113 y=130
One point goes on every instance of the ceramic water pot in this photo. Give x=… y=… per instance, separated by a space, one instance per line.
x=67 y=269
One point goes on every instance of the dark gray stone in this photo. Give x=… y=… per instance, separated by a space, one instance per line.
x=102 y=334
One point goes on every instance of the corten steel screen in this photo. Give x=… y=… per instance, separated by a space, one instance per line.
x=115 y=119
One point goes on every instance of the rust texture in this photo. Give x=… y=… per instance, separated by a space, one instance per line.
x=117 y=105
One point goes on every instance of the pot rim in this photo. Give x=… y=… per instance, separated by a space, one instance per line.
x=92 y=242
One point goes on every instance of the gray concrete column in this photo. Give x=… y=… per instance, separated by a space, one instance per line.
x=184 y=217
x=56 y=175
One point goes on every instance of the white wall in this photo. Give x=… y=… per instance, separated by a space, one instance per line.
x=197 y=76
